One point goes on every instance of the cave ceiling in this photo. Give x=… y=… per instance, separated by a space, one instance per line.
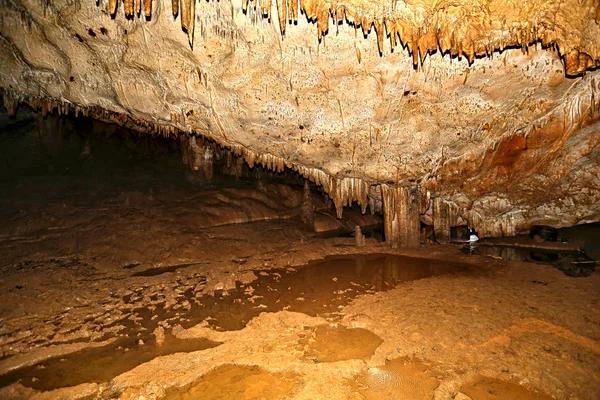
x=491 y=104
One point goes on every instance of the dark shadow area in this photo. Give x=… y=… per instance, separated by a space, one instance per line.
x=164 y=270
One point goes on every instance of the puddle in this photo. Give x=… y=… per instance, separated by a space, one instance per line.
x=238 y=382
x=331 y=344
x=571 y=263
x=397 y=379
x=496 y=389
x=321 y=288
x=99 y=364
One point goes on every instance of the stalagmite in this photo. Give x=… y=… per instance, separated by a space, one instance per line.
x=359 y=237
x=401 y=215
x=445 y=215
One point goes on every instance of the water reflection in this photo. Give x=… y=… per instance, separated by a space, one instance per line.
x=571 y=263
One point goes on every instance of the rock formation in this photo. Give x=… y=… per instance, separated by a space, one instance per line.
x=489 y=106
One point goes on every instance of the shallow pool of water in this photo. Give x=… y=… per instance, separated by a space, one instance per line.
x=99 y=364
x=320 y=288
x=240 y=382
x=571 y=263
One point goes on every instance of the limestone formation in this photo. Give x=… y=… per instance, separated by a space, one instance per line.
x=460 y=28
x=308 y=209
x=445 y=215
x=198 y=156
x=359 y=237
x=491 y=106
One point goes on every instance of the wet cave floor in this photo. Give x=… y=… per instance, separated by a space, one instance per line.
x=133 y=280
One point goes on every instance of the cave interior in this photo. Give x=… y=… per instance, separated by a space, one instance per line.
x=300 y=199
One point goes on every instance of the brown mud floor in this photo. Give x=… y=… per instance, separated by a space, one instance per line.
x=246 y=314
x=121 y=285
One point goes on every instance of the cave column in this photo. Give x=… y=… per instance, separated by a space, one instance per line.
x=402 y=215
x=445 y=215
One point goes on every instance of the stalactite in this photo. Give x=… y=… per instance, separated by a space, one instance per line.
x=138 y=7
x=292 y=6
x=322 y=19
x=188 y=18
x=45 y=107
x=282 y=13
x=128 y=7
x=310 y=8
x=445 y=215
x=11 y=103
x=414 y=48
x=436 y=32
x=375 y=204
x=379 y=31
x=495 y=226
x=238 y=167
x=197 y=154
x=147 y=8
x=401 y=215
x=345 y=191
x=308 y=208
x=338 y=12
x=265 y=6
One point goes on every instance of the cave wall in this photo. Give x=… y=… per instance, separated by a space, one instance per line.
x=492 y=107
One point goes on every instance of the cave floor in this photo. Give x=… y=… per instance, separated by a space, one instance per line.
x=138 y=306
